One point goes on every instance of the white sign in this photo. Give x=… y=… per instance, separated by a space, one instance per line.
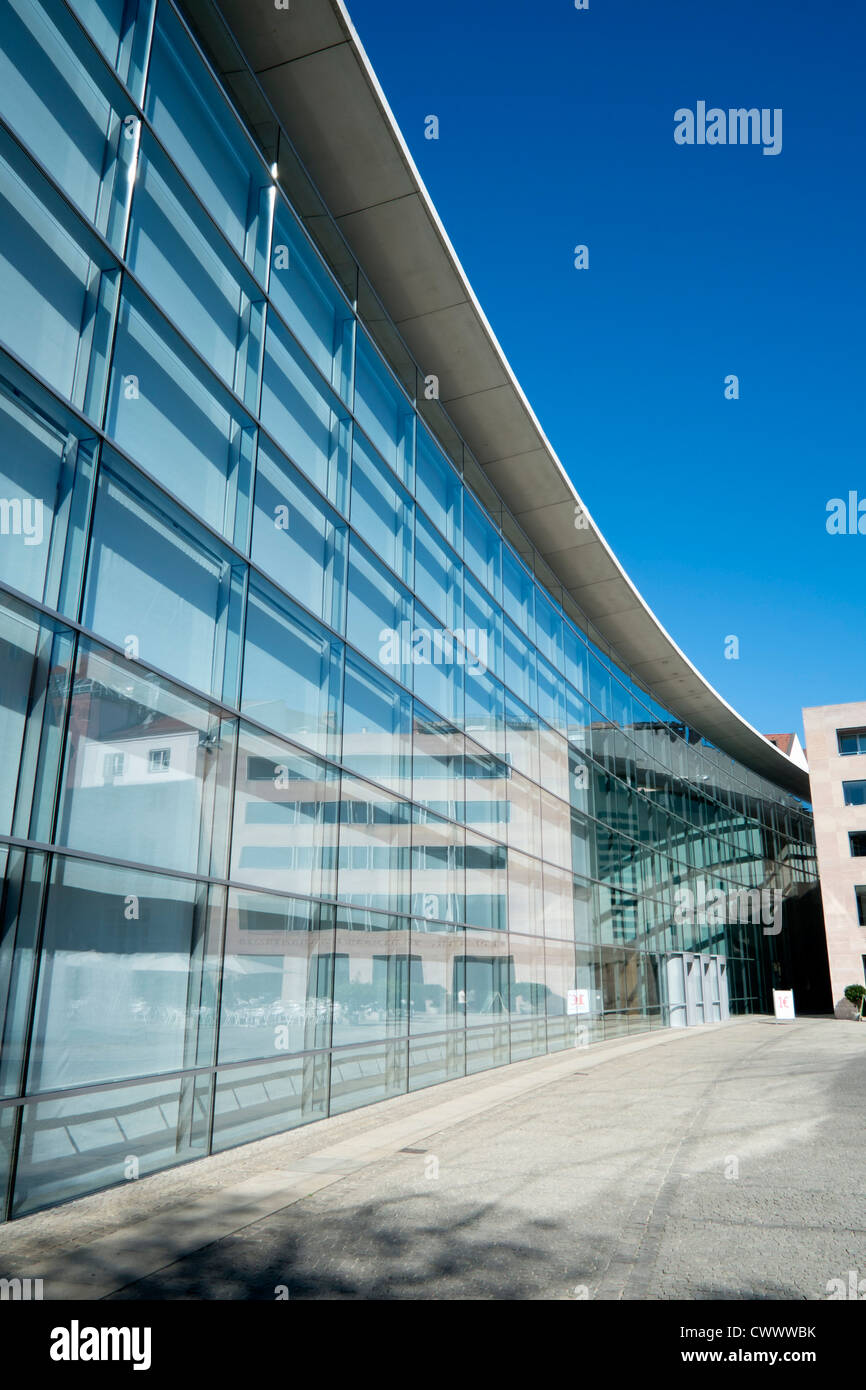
x=578 y=1001
x=783 y=1003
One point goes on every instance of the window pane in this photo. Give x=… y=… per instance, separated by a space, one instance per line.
x=373 y=862
x=31 y=471
x=166 y=411
x=438 y=870
x=304 y=416
x=284 y=832
x=276 y=987
x=182 y=610
x=305 y=296
x=115 y=801
x=482 y=626
x=436 y=978
x=437 y=763
x=178 y=257
x=854 y=793
x=50 y=100
x=438 y=574
x=371 y=977
x=377 y=726
x=482 y=546
x=381 y=509
x=379 y=615
x=116 y=974
x=43 y=284
x=438 y=489
x=298 y=538
x=292 y=671
x=382 y=411
x=83 y=1143
x=518 y=591
x=201 y=134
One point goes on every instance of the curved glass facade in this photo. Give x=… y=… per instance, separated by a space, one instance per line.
x=317 y=789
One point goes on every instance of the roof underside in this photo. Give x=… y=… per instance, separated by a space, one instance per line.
x=317 y=77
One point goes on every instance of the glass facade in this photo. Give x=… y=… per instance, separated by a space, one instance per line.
x=317 y=789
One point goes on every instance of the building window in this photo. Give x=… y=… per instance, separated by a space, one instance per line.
x=851 y=741
x=857 y=841
x=158 y=759
x=860 y=893
x=854 y=793
x=112 y=766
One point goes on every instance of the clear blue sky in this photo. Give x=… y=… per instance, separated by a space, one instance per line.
x=556 y=128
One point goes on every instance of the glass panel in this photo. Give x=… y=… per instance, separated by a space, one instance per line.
x=377 y=726
x=168 y=413
x=437 y=763
x=176 y=253
x=19 y=638
x=145 y=767
x=528 y=998
x=284 y=830
x=521 y=738
x=304 y=416
x=482 y=627
x=524 y=826
x=85 y=1143
x=485 y=708
x=126 y=977
x=437 y=868
x=304 y=294
x=486 y=893
x=371 y=978
x=438 y=574
x=51 y=101
x=44 y=277
x=525 y=894
x=379 y=615
x=35 y=456
x=381 y=509
x=363 y=1075
x=518 y=592
x=436 y=979
x=292 y=671
x=438 y=665
x=202 y=135
x=487 y=782
x=298 y=538
x=432 y=1060
x=520 y=668
x=482 y=547
x=489 y=967
x=438 y=489
x=375 y=837
x=383 y=412
x=183 y=611
x=253 y=1102
x=548 y=630
x=276 y=985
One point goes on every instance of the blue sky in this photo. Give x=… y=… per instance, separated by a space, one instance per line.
x=556 y=129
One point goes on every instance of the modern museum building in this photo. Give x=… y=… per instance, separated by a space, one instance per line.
x=340 y=756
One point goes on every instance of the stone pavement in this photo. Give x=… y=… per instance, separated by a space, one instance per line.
x=716 y=1162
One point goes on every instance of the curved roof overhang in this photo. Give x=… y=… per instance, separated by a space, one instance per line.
x=314 y=71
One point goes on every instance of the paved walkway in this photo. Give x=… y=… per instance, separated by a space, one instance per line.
x=722 y=1162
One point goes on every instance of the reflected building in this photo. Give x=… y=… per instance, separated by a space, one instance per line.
x=340 y=761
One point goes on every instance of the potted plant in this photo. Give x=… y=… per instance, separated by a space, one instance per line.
x=855 y=994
